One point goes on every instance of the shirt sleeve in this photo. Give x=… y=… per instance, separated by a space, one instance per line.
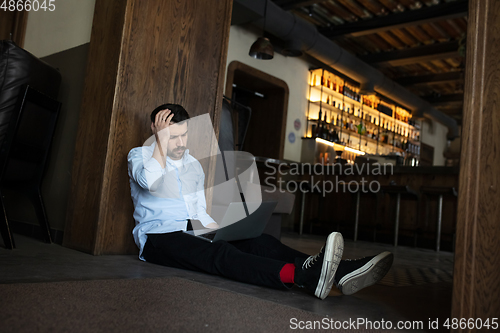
x=143 y=168
x=201 y=204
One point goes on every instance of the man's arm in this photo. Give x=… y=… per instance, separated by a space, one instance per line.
x=144 y=169
x=162 y=135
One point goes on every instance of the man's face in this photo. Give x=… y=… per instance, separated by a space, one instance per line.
x=178 y=140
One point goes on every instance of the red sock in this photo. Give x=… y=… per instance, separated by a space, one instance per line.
x=287 y=273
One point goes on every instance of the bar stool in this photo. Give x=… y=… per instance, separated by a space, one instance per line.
x=308 y=189
x=400 y=191
x=440 y=192
x=357 y=198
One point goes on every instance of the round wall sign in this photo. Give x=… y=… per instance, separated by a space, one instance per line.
x=297 y=124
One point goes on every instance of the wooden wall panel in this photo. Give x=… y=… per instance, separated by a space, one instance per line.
x=161 y=52
x=476 y=288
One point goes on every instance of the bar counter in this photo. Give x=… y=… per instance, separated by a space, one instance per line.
x=326 y=196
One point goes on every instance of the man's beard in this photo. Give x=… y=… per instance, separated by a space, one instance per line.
x=177 y=152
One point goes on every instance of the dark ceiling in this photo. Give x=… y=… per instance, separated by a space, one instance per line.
x=420 y=44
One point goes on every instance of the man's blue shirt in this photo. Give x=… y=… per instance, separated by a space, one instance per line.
x=165 y=198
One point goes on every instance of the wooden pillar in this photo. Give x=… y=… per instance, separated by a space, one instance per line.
x=476 y=287
x=142 y=54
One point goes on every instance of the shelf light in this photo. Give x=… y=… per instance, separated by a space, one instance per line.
x=355 y=151
x=326 y=142
x=333 y=144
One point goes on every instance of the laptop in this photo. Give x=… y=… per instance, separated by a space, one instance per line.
x=236 y=225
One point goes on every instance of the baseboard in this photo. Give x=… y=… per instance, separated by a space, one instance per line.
x=34 y=231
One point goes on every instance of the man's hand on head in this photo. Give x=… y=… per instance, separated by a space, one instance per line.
x=161 y=129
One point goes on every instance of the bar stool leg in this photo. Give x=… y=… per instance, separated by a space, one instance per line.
x=8 y=240
x=396 y=224
x=439 y=221
x=417 y=221
x=302 y=213
x=356 y=218
x=377 y=214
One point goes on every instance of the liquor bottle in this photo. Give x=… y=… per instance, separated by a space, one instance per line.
x=360 y=127
x=335 y=136
x=322 y=80
x=319 y=126
x=325 y=128
x=328 y=99
x=317 y=133
x=329 y=82
x=334 y=85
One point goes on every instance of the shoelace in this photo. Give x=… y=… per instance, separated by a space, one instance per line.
x=310 y=261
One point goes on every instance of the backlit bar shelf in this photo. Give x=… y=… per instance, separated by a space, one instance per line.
x=366 y=124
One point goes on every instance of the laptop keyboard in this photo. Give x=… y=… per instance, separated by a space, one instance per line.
x=210 y=235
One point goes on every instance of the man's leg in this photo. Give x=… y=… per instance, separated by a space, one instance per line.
x=351 y=276
x=269 y=247
x=302 y=264
x=180 y=250
x=184 y=251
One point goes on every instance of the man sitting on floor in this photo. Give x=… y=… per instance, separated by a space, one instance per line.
x=265 y=261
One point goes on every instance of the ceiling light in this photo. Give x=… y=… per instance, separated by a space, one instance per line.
x=262 y=47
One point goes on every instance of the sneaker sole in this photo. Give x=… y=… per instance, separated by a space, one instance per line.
x=367 y=275
x=333 y=254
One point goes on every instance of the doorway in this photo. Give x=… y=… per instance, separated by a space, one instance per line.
x=267 y=97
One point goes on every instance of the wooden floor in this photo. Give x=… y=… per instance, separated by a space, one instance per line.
x=417 y=288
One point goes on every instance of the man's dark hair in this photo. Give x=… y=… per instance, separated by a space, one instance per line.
x=180 y=114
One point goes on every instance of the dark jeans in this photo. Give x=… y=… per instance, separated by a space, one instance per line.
x=255 y=261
